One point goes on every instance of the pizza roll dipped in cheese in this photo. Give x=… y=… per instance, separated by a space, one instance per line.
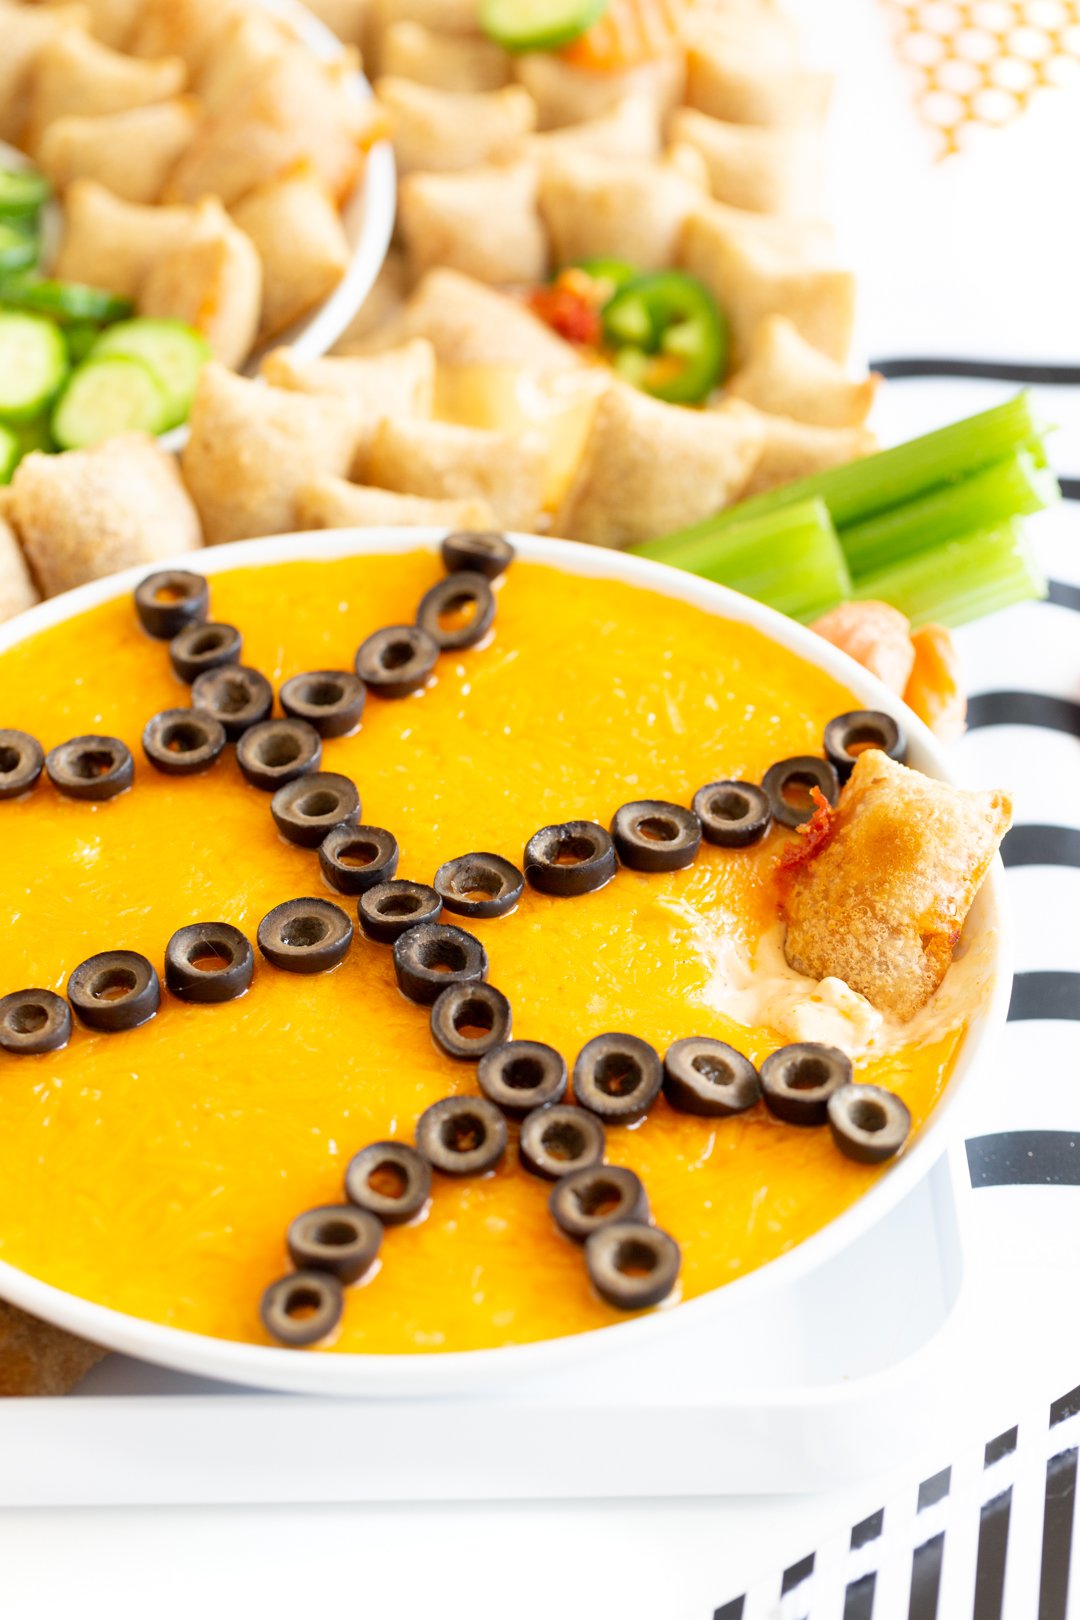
x=597 y=207
x=213 y=282
x=879 y=901
x=17 y=589
x=397 y=383
x=630 y=130
x=741 y=87
x=483 y=222
x=795 y=450
x=113 y=244
x=565 y=94
x=443 y=461
x=300 y=241
x=768 y=171
x=786 y=376
x=454 y=129
x=77 y=76
x=131 y=153
x=409 y=50
x=332 y=503
x=25 y=32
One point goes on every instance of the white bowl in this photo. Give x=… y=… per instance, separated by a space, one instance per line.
x=427 y=1374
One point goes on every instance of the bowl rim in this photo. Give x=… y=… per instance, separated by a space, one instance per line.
x=453 y=1372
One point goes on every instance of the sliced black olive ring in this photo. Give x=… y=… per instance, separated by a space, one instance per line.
x=302 y=1308
x=209 y=962
x=558 y=1139
x=457 y=612
x=479 y=885
x=305 y=936
x=306 y=809
x=849 y=734
x=432 y=955
x=237 y=696
x=477 y=551
x=96 y=768
x=461 y=1136
x=797 y=1081
x=390 y=909
x=733 y=814
x=709 y=1077
x=782 y=781
x=585 y=1201
x=331 y=700
x=617 y=1078
x=632 y=1266
x=868 y=1123
x=33 y=1021
x=391 y=1180
x=467 y=1020
x=522 y=1076
x=396 y=661
x=653 y=836
x=22 y=760
x=355 y=859
x=337 y=1238
x=167 y=602
x=114 y=990
x=570 y=858
x=204 y=646
x=278 y=751
x=183 y=742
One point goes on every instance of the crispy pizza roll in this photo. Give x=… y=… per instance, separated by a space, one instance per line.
x=740 y=87
x=796 y=238
x=111 y=21
x=629 y=130
x=132 y=153
x=76 y=76
x=25 y=31
x=113 y=244
x=876 y=635
x=470 y=324
x=795 y=450
x=353 y=21
x=454 y=129
x=213 y=282
x=483 y=222
x=39 y=1359
x=569 y=95
x=332 y=503
x=409 y=50
x=598 y=207
x=786 y=376
x=184 y=28
x=768 y=171
x=301 y=242
x=378 y=322
x=648 y=467
x=883 y=900
x=396 y=383
x=250 y=44
x=88 y=513
x=445 y=16
x=442 y=461
x=17 y=589
x=250 y=448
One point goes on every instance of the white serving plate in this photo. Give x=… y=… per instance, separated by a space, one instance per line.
x=468 y=1371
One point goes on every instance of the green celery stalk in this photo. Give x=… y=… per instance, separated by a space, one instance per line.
x=961 y=580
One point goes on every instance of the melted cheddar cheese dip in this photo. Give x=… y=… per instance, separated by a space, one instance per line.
x=156 y=1171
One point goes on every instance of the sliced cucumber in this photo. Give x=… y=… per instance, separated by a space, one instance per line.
x=64 y=300
x=175 y=353
x=9 y=454
x=22 y=192
x=116 y=394
x=33 y=365
x=20 y=246
x=80 y=337
x=35 y=435
x=538 y=25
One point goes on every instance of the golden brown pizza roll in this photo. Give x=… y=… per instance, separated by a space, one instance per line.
x=784 y=375
x=409 y=50
x=332 y=503
x=876 y=635
x=250 y=44
x=600 y=207
x=649 y=468
x=769 y=171
x=353 y=21
x=24 y=33
x=113 y=244
x=739 y=86
x=111 y=21
x=377 y=323
x=213 y=282
x=882 y=902
x=185 y=28
x=132 y=153
x=483 y=222
x=454 y=129
x=88 y=513
x=469 y=324
x=396 y=383
x=629 y=130
x=39 y=1359
x=300 y=241
x=250 y=448
x=77 y=76
x=17 y=589
x=797 y=239
x=443 y=461
x=569 y=95
x=446 y=16
x=796 y=449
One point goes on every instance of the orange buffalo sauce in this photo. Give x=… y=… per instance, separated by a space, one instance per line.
x=156 y=1171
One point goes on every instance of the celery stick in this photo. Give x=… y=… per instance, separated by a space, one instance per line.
x=961 y=580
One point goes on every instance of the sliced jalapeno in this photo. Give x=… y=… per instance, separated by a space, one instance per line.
x=667 y=336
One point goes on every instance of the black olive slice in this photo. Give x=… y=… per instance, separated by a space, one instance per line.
x=204 y=646
x=618 y=1078
x=653 y=836
x=96 y=768
x=114 y=990
x=709 y=1077
x=849 y=734
x=305 y=936
x=632 y=1266
x=355 y=859
x=479 y=885
x=209 y=962
x=33 y=1021
x=396 y=661
x=787 y=785
x=183 y=742
x=461 y=1136
x=337 y=1238
x=168 y=601
x=570 y=858
x=586 y=1200
x=477 y=551
x=331 y=700
x=237 y=696
x=391 y=1180
x=278 y=751
x=522 y=1076
x=22 y=760
x=390 y=909
x=797 y=1081
x=431 y=956
x=306 y=809
x=467 y=1020
x=457 y=612
x=868 y=1123
x=302 y=1308
x=733 y=814
x=559 y=1138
